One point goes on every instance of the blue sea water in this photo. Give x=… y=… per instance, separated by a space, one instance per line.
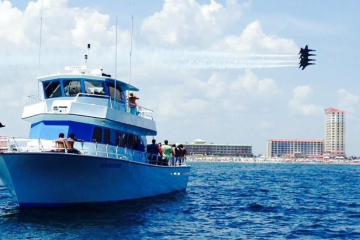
x=223 y=201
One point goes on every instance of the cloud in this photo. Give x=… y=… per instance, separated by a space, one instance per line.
x=253 y=39
x=264 y=125
x=219 y=94
x=62 y=27
x=250 y=83
x=299 y=106
x=189 y=23
x=347 y=102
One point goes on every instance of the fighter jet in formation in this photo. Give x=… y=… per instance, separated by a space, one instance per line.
x=304 y=57
x=1 y=125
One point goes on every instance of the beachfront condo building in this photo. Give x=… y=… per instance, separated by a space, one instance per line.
x=334 y=132
x=295 y=148
x=199 y=146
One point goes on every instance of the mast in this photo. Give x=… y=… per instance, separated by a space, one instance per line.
x=132 y=27
x=39 y=66
x=115 y=56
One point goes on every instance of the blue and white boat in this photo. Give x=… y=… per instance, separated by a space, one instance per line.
x=113 y=165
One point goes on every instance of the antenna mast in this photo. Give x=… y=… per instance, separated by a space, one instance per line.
x=87 y=55
x=115 y=55
x=132 y=27
x=41 y=16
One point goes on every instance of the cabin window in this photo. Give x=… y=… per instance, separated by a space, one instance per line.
x=136 y=142
x=72 y=87
x=131 y=140
x=52 y=89
x=141 y=144
x=92 y=87
x=107 y=136
x=97 y=135
x=117 y=94
x=119 y=139
x=125 y=140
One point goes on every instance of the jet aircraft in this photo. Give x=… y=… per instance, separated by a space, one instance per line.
x=304 y=57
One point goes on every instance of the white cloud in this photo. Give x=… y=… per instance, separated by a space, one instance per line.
x=253 y=39
x=348 y=102
x=299 y=106
x=62 y=27
x=264 y=125
x=250 y=83
x=189 y=23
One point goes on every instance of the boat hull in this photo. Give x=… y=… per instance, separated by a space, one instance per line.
x=58 y=179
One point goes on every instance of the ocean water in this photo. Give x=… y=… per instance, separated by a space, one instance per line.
x=223 y=201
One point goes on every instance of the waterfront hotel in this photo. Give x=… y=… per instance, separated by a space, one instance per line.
x=294 y=148
x=199 y=146
x=333 y=146
x=334 y=132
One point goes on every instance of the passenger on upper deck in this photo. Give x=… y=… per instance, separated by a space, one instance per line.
x=70 y=144
x=132 y=103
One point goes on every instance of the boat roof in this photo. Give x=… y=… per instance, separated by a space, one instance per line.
x=123 y=85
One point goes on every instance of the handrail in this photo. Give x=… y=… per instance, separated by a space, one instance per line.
x=88 y=149
x=35 y=97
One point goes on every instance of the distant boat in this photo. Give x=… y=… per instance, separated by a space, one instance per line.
x=113 y=162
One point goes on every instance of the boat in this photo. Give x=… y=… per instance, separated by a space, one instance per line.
x=112 y=163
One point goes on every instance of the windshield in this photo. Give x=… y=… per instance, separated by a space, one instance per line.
x=92 y=87
x=52 y=89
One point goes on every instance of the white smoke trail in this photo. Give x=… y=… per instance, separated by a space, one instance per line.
x=196 y=60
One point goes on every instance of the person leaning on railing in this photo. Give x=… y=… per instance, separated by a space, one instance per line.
x=70 y=144
x=132 y=103
x=60 y=143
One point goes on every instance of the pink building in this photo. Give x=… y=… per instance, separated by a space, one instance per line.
x=295 y=148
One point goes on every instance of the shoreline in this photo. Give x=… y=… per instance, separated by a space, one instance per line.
x=274 y=160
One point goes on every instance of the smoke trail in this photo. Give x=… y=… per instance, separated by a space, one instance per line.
x=196 y=60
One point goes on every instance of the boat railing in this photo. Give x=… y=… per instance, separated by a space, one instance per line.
x=18 y=144
x=34 y=99
x=116 y=102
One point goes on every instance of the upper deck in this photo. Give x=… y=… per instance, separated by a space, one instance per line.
x=93 y=95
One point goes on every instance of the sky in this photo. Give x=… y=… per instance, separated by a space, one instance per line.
x=222 y=71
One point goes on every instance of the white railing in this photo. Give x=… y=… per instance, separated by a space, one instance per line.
x=17 y=144
x=12 y=144
x=113 y=103
x=35 y=98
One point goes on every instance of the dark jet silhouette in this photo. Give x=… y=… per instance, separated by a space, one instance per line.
x=1 y=125
x=304 y=57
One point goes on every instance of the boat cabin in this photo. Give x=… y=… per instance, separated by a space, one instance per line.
x=92 y=107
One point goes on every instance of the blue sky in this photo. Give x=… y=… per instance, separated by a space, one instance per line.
x=216 y=99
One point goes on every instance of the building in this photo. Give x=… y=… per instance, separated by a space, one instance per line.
x=334 y=132
x=295 y=148
x=199 y=146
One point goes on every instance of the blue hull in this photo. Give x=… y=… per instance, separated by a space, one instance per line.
x=56 y=179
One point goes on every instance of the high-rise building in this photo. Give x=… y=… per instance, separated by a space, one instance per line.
x=295 y=148
x=334 y=132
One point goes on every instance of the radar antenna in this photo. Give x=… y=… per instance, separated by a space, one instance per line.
x=87 y=55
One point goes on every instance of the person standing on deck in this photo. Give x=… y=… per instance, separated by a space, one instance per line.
x=167 y=152
x=153 y=152
x=183 y=153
